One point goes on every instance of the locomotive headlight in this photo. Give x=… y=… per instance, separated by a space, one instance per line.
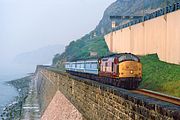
x=132 y=72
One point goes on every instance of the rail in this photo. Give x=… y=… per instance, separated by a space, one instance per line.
x=160 y=96
x=153 y=94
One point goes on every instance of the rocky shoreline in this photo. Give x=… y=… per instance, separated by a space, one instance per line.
x=14 y=109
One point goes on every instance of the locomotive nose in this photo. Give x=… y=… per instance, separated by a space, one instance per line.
x=130 y=69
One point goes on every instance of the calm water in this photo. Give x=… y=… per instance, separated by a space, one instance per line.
x=8 y=92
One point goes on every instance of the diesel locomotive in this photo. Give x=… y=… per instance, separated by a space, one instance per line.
x=122 y=70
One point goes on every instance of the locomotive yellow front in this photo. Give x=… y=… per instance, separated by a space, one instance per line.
x=130 y=69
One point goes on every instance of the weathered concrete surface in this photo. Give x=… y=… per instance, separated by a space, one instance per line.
x=159 y=35
x=60 y=108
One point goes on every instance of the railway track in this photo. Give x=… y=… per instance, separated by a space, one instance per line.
x=153 y=94
x=160 y=96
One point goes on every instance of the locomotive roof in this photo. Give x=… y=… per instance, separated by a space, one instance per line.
x=105 y=57
x=117 y=55
x=84 y=60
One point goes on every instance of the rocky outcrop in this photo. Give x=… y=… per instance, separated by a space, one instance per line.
x=118 y=8
x=127 y=8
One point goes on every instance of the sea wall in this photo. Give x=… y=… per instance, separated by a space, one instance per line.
x=96 y=101
x=46 y=89
x=159 y=35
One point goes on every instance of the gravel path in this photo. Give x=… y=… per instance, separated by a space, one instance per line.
x=59 y=109
x=31 y=106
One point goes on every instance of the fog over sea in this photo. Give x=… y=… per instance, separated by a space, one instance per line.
x=8 y=73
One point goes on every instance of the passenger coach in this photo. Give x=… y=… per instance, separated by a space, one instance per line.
x=122 y=70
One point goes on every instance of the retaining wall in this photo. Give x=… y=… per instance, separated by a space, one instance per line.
x=160 y=35
x=97 y=101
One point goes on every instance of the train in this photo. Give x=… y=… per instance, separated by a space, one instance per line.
x=122 y=70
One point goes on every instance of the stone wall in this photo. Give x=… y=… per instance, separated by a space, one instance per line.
x=97 y=101
x=60 y=108
x=46 y=90
x=159 y=35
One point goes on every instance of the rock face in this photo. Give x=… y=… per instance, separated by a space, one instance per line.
x=118 y=8
x=115 y=9
x=128 y=8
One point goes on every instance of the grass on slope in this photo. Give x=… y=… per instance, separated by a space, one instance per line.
x=160 y=76
x=157 y=75
x=81 y=49
x=97 y=45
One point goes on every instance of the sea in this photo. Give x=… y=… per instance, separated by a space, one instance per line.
x=8 y=92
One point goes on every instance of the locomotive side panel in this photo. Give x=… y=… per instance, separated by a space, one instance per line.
x=108 y=68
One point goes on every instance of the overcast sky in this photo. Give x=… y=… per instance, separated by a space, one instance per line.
x=26 y=25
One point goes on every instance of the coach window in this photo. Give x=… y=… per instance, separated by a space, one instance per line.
x=95 y=65
x=90 y=65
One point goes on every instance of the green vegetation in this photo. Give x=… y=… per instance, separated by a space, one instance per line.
x=81 y=49
x=160 y=76
x=157 y=75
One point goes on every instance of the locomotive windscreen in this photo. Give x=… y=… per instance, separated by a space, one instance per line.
x=126 y=57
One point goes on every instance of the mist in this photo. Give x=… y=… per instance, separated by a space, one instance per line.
x=27 y=25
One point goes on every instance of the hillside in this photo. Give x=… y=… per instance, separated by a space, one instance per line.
x=160 y=76
x=118 y=8
x=157 y=75
x=128 y=8
x=81 y=49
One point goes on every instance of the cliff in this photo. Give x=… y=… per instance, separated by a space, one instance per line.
x=81 y=48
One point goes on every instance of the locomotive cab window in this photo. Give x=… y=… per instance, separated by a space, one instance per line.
x=117 y=69
x=106 y=64
x=128 y=57
x=112 y=66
